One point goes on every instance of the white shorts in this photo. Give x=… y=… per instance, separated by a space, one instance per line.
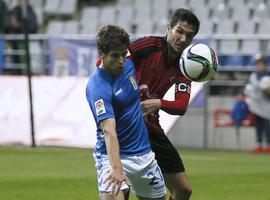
x=143 y=172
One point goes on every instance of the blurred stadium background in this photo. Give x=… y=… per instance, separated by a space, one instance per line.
x=63 y=55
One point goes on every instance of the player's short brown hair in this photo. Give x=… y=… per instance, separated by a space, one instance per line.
x=110 y=36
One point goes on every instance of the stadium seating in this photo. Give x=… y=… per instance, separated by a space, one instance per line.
x=92 y=14
x=71 y=27
x=250 y=47
x=52 y=7
x=198 y=3
x=264 y=27
x=229 y=17
x=68 y=7
x=124 y=17
x=225 y=27
x=202 y=13
x=178 y=4
x=220 y=13
x=229 y=47
x=107 y=16
x=247 y=27
x=240 y=13
x=55 y=27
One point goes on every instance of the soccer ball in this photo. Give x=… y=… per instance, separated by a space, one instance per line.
x=198 y=62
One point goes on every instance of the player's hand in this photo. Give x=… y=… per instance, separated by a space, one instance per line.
x=150 y=106
x=115 y=179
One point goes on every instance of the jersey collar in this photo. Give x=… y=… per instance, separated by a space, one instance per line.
x=105 y=74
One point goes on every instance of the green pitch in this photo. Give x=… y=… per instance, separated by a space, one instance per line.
x=69 y=174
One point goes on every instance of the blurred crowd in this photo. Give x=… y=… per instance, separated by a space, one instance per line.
x=12 y=21
x=15 y=21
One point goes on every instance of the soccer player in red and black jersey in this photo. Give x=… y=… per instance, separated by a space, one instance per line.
x=157 y=69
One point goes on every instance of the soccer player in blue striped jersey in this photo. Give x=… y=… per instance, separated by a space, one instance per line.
x=122 y=152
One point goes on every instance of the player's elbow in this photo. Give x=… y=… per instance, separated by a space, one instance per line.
x=181 y=112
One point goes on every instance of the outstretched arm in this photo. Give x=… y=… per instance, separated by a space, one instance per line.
x=176 y=107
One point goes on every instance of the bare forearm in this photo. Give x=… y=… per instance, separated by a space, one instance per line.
x=116 y=176
x=112 y=146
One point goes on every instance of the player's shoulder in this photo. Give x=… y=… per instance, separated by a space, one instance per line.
x=97 y=83
x=129 y=64
x=147 y=45
x=179 y=77
x=129 y=67
x=145 y=42
x=148 y=40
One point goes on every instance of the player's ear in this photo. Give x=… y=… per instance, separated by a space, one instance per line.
x=168 y=27
x=101 y=54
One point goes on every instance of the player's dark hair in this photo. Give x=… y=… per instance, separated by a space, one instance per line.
x=261 y=59
x=110 y=36
x=182 y=14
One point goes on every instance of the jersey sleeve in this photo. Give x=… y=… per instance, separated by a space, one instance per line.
x=135 y=50
x=100 y=102
x=143 y=47
x=182 y=95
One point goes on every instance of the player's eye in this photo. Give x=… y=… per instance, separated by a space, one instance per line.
x=190 y=35
x=115 y=55
x=124 y=54
x=179 y=31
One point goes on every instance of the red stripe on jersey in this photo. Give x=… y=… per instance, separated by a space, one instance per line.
x=141 y=48
x=141 y=42
x=145 y=43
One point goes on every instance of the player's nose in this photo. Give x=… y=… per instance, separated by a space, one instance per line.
x=183 y=38
x=121 y=60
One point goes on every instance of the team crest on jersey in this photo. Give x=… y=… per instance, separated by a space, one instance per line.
x=100 y=107
x=133 y=82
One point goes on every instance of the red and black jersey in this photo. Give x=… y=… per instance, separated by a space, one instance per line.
x=156 y=73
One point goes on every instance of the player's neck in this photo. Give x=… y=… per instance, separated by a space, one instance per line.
x=102 y=66
x=171 y=54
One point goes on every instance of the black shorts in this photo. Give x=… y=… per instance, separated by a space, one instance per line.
x=166 y=155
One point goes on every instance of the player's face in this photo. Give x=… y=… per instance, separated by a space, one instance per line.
x=261 y=66
x=180 y=36
x=114 y=60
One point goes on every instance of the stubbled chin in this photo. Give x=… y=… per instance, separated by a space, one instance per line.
x=177 y=50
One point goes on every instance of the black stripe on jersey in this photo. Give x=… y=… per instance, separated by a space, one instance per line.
x=145 y=46
x=144 y=52
x=141 y=43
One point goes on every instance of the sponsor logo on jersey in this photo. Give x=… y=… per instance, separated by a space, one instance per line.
x=133 y=82
x=100 y=107
x=118 y=92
